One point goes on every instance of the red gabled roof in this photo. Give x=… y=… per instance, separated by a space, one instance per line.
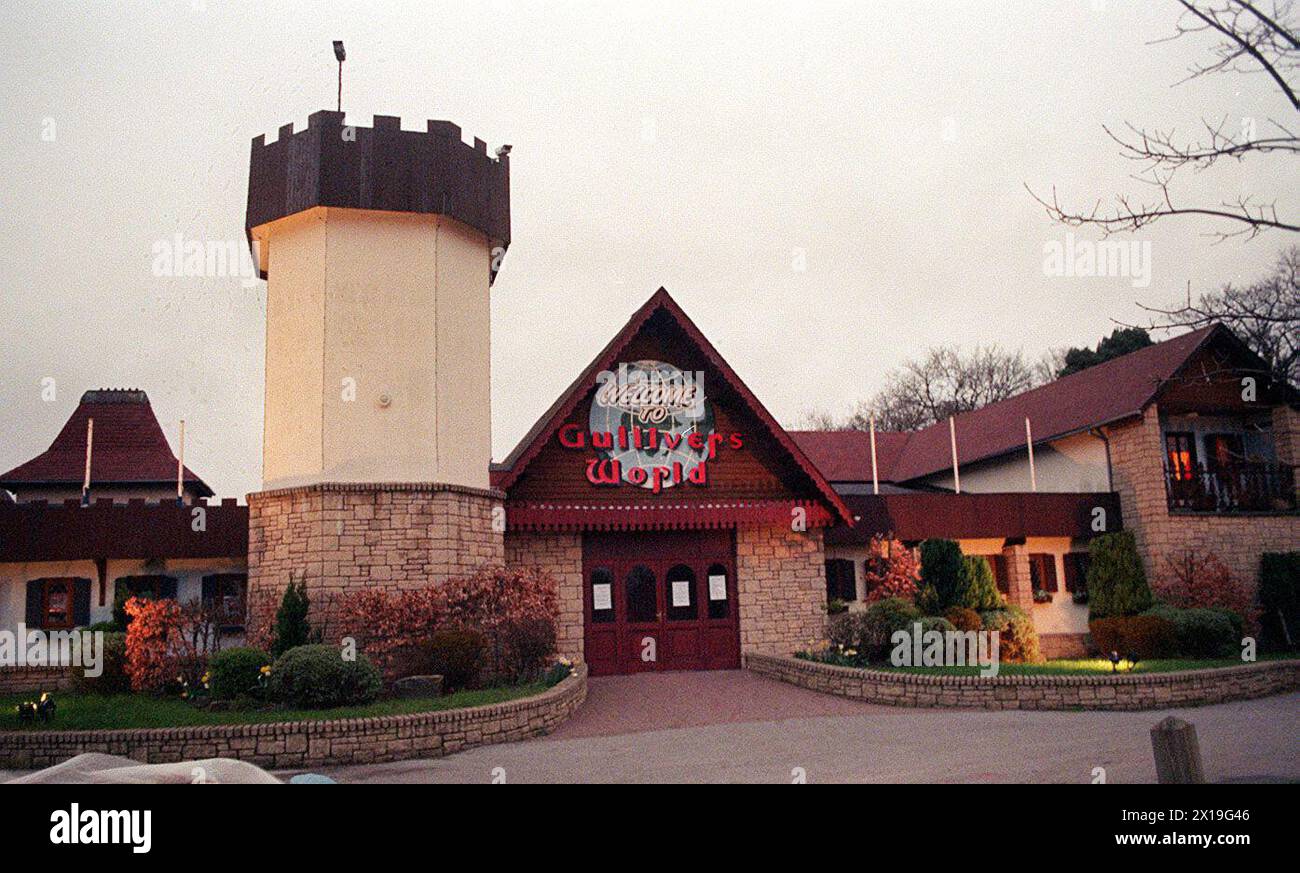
x=1108 y=392
x=508 y=472
x=129 y=447
x=845 y=455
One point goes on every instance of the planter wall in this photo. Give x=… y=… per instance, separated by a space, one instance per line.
x=292 y=745
x=1140 y=691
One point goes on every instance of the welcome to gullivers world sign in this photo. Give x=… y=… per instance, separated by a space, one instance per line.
x=651 y=425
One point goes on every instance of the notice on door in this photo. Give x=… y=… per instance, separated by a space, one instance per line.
x=682 y=593
x=717 y=587
x=600 y=596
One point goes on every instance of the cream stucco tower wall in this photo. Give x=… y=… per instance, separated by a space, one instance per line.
x=379 y=246
x=377 y=349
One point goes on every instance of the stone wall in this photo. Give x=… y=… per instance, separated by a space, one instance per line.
x=1141 y=691
x=782 y=589
x=1137 y=462
x=342 y=537
x=33 y=680
x=1053 y=646
x=559 y=554
x=293 y=745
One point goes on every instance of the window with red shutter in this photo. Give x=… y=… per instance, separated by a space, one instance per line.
x=1042 y=571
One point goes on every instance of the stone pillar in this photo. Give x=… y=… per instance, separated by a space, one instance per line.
x=1020 y=589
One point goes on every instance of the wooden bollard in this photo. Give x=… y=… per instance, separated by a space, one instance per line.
x=1178 y=754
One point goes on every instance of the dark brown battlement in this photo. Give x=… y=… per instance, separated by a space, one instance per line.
x=381 y=167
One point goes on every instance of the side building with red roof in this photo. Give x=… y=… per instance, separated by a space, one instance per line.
x=66 y=556
x=1187 y=443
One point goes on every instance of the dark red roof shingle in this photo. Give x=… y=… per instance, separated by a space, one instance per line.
x=129 y=447
x=1099 y=395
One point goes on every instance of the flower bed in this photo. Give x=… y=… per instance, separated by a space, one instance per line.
x=1120 y=691
x=312 y=743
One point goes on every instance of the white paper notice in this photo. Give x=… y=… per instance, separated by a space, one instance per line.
x=600 y=597
x=682 y=593
x=717 y=587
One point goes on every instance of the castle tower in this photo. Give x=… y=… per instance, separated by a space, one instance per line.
x=379 y=247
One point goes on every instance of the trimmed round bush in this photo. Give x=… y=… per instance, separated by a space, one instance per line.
x=1147 y=636
x=113 y=678
x=527 y=645
x=1017 y=636
x=964 y=619
x=880 y=620
x=232 y=672
x=1199 y=632
x=936 y=623
x=457 y=654
x=317 y=677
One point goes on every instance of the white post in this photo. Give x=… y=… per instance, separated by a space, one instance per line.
x=180 y=467
x=90 y=441
x=875 y=480
x=1029 y=441
x=952 y=437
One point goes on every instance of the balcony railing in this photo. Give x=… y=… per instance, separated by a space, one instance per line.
x=1244 y=487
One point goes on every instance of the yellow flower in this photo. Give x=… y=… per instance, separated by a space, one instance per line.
x=266 y=671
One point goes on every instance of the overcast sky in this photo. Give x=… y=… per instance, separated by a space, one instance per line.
x=710 y=148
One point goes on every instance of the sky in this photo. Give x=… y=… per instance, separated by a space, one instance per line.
x=828 y=189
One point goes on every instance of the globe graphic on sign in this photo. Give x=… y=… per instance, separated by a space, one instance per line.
x=652 y=394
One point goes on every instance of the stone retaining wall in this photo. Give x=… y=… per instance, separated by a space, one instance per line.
x=292 y=745
x=1141 y=691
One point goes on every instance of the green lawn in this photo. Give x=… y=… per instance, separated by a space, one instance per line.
x=1082 y=667
x=95 y=712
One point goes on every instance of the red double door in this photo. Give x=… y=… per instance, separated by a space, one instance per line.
x=660 y=601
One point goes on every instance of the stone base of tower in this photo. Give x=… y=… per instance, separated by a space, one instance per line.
x=343 y=537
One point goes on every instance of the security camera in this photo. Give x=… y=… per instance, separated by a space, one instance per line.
x=503 y=151
x=339 y=52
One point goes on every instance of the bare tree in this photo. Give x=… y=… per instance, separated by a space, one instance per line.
x=945 y=382
x=1265 y=314
x=1251 y=38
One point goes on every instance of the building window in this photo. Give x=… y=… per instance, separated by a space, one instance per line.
x=57 y=607
x=642 y=606
x=154 y=586
x=225 y=596
x=1042 y=572
x=1180 y=450
x=1076 y=572
x=679 y=586
x=59 y=602
x=840 y=583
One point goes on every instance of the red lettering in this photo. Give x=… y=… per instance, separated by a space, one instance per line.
x=603 y=472
x=572 y=437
